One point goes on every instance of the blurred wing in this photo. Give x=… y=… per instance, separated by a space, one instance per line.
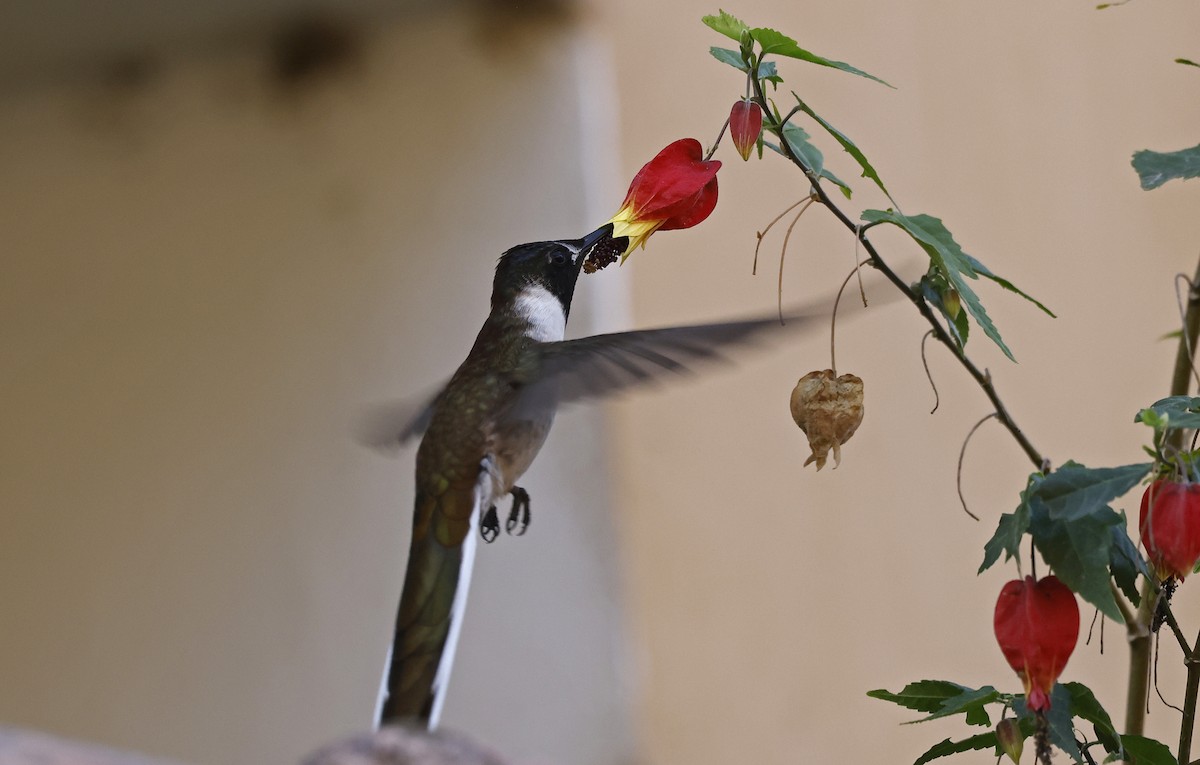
x=392 y=424
x=605 y=365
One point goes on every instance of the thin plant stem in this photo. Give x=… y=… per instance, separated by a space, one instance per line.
x=833 y=316
x=1190 y=693
x=937 y=400
x=783 y=251
x=761 y=234
x=963 y=453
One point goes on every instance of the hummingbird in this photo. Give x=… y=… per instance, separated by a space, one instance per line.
x=483 y=430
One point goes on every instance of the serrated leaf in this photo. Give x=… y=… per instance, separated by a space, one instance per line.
x=948 y=747
x=1074 y=491
x=797 y=141
x=1010 y=530
x=1007 y=539
x=1059 y=720
x=933 y=237
x=777 y=43
x=1180 y=413
x=727 y=24
x=922 y=695
x=970 y=702
x=868 y=171
x=1156 y=168
x=1147 y=751
x=1085 y=706
x=986 y=273
x=1079 y=551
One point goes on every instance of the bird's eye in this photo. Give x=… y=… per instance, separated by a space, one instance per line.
x=558 y=257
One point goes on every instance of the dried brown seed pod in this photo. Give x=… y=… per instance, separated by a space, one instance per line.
x=828 y=409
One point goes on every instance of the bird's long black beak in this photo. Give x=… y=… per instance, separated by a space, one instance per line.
x=588 y=252
x=596 y=236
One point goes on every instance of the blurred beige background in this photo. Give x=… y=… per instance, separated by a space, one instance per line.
x=207 y=266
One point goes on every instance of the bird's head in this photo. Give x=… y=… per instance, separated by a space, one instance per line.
x=540 y=276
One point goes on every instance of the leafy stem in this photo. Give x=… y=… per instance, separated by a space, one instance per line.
x=774 y=123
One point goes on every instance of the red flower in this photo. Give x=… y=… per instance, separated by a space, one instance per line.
x=1170 y=527
x=676 y=189
x=1037 y=625
x=745 y=125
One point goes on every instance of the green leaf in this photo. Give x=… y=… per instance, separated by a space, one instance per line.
x=868 y=171
x=797 y=141
x=1125 y=562
x=777 y=43
x=1186 y=61
x=766 y=69
x=923 y=695
x=847 y=192
x=731 y=57
x=1010 y=532
x=983 y=271
x=1079 y=551
x=931 y=234
x=948 y=747
x=1085 y=706
x=1147 y=751
x=1059 y=719
x=1074 y=491
x=727 y=24
x=1081 y=537
x=971 y=702
x=1178 y=412
x=1151 y=418
x=1156 y=168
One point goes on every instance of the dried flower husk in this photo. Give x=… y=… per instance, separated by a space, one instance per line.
x=828 y=409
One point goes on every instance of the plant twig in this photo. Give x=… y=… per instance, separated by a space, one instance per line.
x=1191 y=691
x=833 y=315
x=1184 y=356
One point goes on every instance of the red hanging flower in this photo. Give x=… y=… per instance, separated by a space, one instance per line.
x=1037 y=626
x=1170 y=527
x=676 y=189
x=745 y=125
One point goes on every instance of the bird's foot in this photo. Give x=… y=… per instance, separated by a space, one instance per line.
x=489 y=525
x=518 y=515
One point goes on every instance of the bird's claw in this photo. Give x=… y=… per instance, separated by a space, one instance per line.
x=518 y=515
x=489 y=525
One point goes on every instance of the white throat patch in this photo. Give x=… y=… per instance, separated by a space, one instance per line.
x=547 y=320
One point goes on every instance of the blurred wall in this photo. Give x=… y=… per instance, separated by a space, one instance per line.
x=206 y=275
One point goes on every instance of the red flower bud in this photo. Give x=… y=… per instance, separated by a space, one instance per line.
x=1037 y=625
x=1170 y=527
x=676 y=189
x=745 y=124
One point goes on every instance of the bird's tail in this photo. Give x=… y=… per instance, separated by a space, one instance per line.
x=431 y=607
